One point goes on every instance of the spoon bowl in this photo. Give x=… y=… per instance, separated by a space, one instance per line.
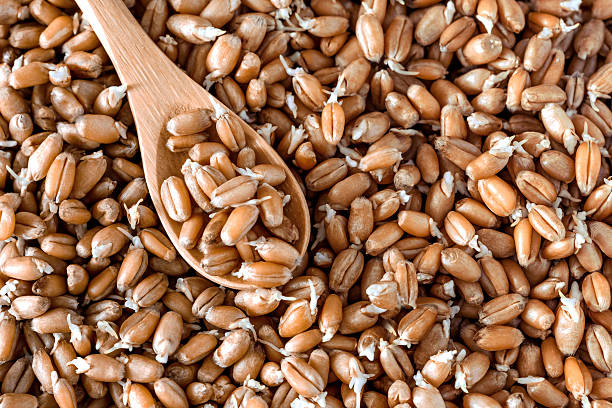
x=158 y=90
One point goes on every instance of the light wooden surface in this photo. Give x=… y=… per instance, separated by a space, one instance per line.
x=157 y=90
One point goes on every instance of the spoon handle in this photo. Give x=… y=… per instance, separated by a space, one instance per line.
x=140 y=64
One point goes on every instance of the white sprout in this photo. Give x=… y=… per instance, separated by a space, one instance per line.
x=181 y=286
x=56 y=339
x=305 y=23
x=585 y=402
x=8 y=143
x=291 y=71
x=81 y=365
x=314 y=298
x=244 y=115
x=571 y=5
x=259 y=244
x=42 y=266
x=461 y=187
x=502 y=148
x=322 y=258
x=106 y=327
x=423 y=277
x=358 y=381
x=581 y=229
x=122 y=358
x=286 y=199
x=545 y=34
x=320 y=236
x=296 y=137
x=211 y=79
x=18 y=63
x=402 y=342
x=278 y=295
x=301 y=402
x=502 y=367
x=565 y=28
x=483 y=251
x=266 y=131
x=320 y=399
x=290 y=100
x=351 y=156
x=570 y=140
x=474 y=244
x=586 y=137
x=208 y=33
x=245 y=324
x=119 y=345
x=448 y=183
x=75 y=331
x=529 y=380
x=121 y=129
x=563 y=193
x=95 y=155
x=434 y=230
x=161 y=358
x=132 y=213
x=449 y=12
x=449 y=288
x=330 y=213
x=559 y=286
x=373 y=309
x=593 y=95
x=167 y=39
x=516 y=216
x=444 y=357
x=486 y=22
x=134 y=238
x=460 y=378
x=399 y=68
x=333 y=96
x=360 y=130
x=190 y=166
x=275 y=348
x=98 y=250
x=244 y=272
x=543 y=144
x=295 y=57
x=420 y=381
x=129 y=302
x=116 y=94
x=54 y=378
x=495 y=79
x=369 y=351
x=454 y=310
x=212 y=332
x=248 y=172
x=125 y=391
x=253 y=384
x=219 y=110
x=253 y=201
x=571 y=305
x=461 y=355
x=386 y=324
x=23 y=180
x=404 y=197
x=8 y=288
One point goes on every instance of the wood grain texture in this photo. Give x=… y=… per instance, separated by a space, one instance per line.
x=157 y=90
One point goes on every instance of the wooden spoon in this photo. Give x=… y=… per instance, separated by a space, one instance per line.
x=157 y=90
